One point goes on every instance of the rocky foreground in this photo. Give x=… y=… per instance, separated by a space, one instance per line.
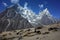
x=49 y=32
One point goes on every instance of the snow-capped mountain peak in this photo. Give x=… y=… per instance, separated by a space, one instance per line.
x=44 y=16
x=45 y=12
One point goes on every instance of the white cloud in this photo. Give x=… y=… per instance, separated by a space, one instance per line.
x=14 y=1
x=25 y=5
x=41 y=5
x=5 y=4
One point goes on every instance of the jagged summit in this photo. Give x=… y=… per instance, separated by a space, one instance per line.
x=45 y=12
x=46 y=9
x=44 y=16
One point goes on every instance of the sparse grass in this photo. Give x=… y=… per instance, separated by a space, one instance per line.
x=39 y=27
x=10 y=34
x=4 y=39
x=45 y=33
x=49 y=29
x=4 y=35
x=38 y=32
x=37 y=38
x=28 y=30
x=14 y=31
x=17 y=33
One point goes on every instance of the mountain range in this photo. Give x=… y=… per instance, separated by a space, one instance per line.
x=18 y=17
x=43 y=18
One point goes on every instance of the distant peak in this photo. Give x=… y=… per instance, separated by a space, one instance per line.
x=45 y=12
x=46 y=9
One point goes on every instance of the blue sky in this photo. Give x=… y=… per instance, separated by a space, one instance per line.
x=36 y=5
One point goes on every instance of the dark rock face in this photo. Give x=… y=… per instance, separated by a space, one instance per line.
x=12 y=20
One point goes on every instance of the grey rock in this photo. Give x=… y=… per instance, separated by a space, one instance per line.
x=10 y=19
